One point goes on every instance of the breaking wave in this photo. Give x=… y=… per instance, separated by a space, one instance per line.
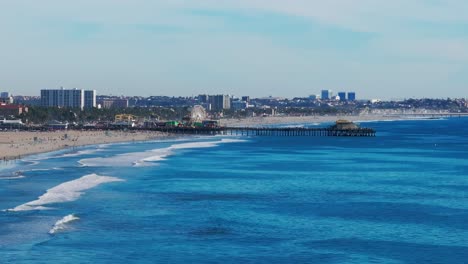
x=62 y=224
x=150 y=156
x=11 y=177
x=65 y=192
x=79 y=153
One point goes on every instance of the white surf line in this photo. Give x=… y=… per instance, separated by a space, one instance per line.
x=79 y=153
x=62 y=224
x=11 y=177
x=65 y=192
x=165 y=152
x=139 y=158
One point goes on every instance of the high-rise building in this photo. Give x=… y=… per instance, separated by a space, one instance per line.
x=351 y=96
x=203 y=98
x=246 y=99
x=73 y=98
x=114 y=103
x=90 y=99
x=239 y=105
x=326 y=94
x=342 y=96
x=5 y=95
x=220 y=102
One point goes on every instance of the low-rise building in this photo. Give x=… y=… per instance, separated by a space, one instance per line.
x=11 y=124
x=57 y=125
x=12 y=110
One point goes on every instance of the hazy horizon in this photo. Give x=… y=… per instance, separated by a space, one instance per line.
x=378 y=49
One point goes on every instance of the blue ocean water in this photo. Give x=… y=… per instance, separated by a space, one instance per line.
x=400 y=197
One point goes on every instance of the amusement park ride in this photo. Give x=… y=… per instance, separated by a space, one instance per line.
x=198 y=114
x=196 y=118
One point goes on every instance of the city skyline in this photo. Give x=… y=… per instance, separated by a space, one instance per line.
x=318 y=94
x=379 y=49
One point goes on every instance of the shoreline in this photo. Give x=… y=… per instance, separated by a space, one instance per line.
x=17 y=145
x=290 y=120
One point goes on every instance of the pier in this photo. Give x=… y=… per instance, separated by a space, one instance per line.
x=342 y=128
x=268 y=131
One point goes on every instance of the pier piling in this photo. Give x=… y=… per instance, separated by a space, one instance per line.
x=275 y=132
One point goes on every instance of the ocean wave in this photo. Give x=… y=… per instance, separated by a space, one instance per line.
x=162 y=154
x=19 y=174
x=62 y=224
x=65 y=192
x=79 y=153
x=54 y=168
x=11 y=177
x=149 y=157
x=30 y=162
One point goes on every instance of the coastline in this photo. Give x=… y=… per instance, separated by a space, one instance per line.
x=285 y=120
x=16 y=145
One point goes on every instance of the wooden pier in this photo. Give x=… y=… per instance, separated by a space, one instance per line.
x=268 y=131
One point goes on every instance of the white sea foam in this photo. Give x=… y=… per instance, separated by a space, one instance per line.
x=79 y=153
x=62 y=224
x=11 y=177
x=120 y=160
x=65 y=192
x=147 y=158
x=158 y=155
x=54 y=168
x=32 y=162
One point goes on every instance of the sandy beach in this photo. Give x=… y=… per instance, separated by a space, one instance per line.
x=270 y=120
x=14 y=145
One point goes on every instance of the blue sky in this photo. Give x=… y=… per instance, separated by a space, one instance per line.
x=380 y=49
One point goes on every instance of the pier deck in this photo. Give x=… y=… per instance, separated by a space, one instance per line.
x=264 y=131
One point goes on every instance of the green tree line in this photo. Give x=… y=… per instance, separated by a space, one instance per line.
x=41 y=115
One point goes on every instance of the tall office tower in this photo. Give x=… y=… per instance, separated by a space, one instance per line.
x=220 y=102
x=114 y=103
x=351 y=96
x=342 y=96
x=73 y=98
x=5 y=95
x=90 y=99
x=326 y=94
x=203 y=98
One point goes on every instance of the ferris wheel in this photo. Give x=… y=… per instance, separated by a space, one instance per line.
x=198 y=114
